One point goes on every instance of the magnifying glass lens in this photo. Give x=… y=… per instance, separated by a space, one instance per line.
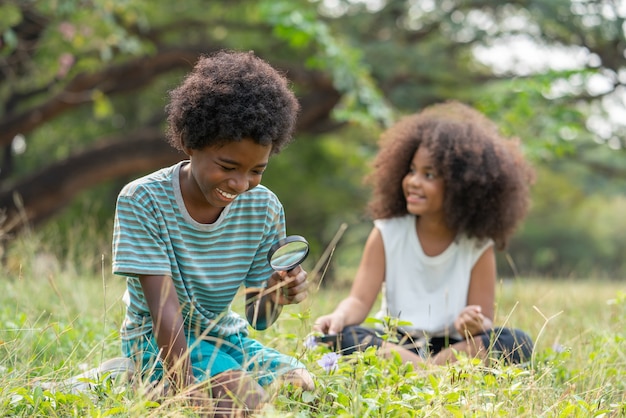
x=288 y=253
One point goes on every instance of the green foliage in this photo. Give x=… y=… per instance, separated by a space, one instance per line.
x=513 y=102
x=565 y=222
x=331 y=172
x=51 y=329
x=382 y=60
x=10 y=16
x=362 y=101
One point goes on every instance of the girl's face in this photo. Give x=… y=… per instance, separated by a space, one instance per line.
x=221 y=173
x=423 y=186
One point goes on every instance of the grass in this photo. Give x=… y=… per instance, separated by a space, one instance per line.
x=56 y=322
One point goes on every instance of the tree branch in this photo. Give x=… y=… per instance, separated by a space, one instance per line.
x=111 y=80
x=40 y=195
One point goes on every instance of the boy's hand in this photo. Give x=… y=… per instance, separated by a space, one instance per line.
x=291 y=287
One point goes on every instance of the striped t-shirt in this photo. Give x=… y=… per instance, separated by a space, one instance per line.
x=155 y=235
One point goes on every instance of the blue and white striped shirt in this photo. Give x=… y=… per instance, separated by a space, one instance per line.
x=155 y=235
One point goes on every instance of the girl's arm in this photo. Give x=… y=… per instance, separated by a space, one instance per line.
x=367 y=284
x=478 y=314
x=168 y=327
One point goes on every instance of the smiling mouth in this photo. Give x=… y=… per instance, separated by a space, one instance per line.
x=413 y=197
x=226 y=195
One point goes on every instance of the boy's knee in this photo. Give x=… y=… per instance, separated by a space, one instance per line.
x=300 y=378
x=235 y=392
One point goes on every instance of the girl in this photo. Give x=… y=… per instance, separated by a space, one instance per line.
x=447 y=190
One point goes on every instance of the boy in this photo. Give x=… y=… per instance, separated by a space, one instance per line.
x=188 y=236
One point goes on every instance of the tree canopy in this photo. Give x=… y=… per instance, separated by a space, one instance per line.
x=83 y=86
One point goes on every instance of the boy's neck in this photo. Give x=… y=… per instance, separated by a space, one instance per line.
x=195 y=203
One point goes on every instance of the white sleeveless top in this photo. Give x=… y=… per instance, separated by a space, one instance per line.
x=429 y=292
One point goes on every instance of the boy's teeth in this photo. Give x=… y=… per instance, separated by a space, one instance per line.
x=228 y=195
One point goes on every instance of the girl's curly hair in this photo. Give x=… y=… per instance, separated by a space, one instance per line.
x=230 y=96
x=486 y=177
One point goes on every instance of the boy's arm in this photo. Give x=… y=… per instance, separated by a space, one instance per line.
x=263 y=306
x=168 y=327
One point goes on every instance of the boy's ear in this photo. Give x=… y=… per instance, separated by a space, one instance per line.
x=185 y=149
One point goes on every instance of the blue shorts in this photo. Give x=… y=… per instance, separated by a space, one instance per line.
x=211 y=356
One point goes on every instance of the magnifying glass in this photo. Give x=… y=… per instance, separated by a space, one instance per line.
x=288 y=253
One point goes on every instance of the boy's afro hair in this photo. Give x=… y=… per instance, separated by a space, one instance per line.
x=229 y=96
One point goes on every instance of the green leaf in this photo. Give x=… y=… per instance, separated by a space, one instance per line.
x=10 y=16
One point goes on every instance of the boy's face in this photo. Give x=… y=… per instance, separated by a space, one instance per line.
x=423 y=186
x=221 y=173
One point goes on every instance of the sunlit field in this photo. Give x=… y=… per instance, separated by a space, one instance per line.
x=56 y=322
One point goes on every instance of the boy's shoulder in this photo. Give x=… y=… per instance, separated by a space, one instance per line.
x=260 y=191
x=260 y=194
x=159 y=179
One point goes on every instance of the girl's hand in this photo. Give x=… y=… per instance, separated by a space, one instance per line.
x=470 y=321
x=290 y=287
x=329 y=324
